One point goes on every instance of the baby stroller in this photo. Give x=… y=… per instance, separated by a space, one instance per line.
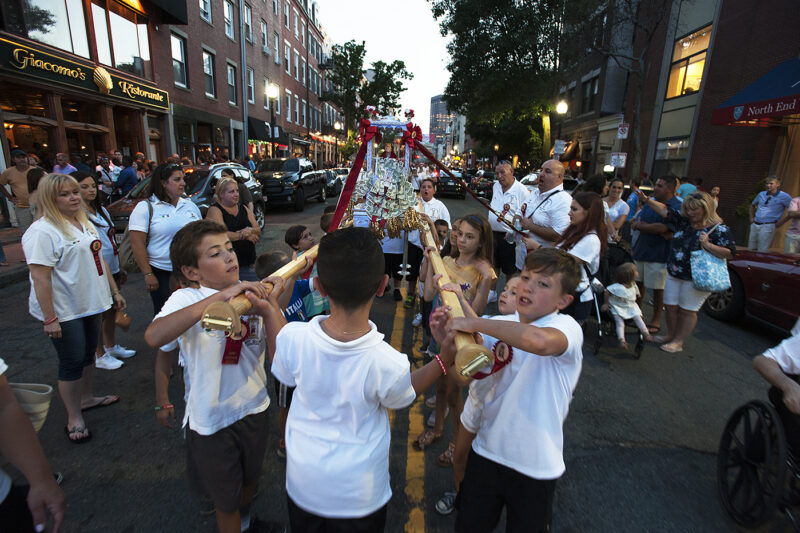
x=615 y=255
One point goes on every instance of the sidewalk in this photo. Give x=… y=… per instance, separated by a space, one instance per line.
x=16 y=270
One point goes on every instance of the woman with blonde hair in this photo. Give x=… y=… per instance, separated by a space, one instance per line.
x=71 y=287
x=243 y=230
x=697 y=226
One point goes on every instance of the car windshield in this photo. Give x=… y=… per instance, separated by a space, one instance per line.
x=273 y=165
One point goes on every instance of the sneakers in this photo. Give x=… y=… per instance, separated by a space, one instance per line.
x=107 y=362
x=446 y=505
x=282 y=449
x=397 y=295
x=417 y=320
x=431 y=402
x=409 y=303
x=206 y=506
x=120 y=352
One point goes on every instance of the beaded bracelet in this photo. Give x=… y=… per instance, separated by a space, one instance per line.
x=165 y=406
x=441 y=364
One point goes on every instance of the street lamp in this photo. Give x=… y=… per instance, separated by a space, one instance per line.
x=338 y=127
x=272 y=94
x=561 y=109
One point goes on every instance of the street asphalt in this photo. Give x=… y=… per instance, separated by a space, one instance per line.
x=640 y=439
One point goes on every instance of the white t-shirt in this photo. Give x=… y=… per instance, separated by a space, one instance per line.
x=515 y=196
x=5 y=479
x=587 y=250
x=522 y=422
x=617 y=210
x=392 y=246
x=549 y=209
x=103 y=228
x=787 y=353
x=167 y=220
x=218 y=395
x=434 y=209
x=337 y=433
x=78 y=288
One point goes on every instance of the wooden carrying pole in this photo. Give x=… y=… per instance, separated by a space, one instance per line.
x=225 y=316
x=470 y=356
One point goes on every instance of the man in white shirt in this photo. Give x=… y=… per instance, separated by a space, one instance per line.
x=545 y=214
x=508 y=195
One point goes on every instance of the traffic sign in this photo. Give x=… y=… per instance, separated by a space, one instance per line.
x=618 y=159
x=558 y=147
x=622 y=130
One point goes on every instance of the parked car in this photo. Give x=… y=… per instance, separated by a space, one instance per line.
x=448 y=185
x=291 y=181
x=484 y=183
x=200 y=183
x=764 y=285
x=334 y=183
x=530 y=181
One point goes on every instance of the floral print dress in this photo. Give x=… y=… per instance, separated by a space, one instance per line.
x=686 y=239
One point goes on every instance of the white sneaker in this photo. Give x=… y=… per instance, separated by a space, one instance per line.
x=120 y=352
x=417 y=320
x=107 y=362
x=492 y=298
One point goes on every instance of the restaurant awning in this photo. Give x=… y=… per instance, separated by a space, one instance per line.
x=257 y=129
x=174 y=11
x=775 y=94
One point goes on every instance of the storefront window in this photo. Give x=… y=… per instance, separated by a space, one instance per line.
x=688 y=61
x=59 y=23
x=79 y=111
x=16 y=99
x=670 y=157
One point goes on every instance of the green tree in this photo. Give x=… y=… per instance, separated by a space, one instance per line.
x=350 y=147
x=383 y=91
x=346 y=77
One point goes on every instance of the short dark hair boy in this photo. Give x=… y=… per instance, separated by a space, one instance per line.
x=298 y=238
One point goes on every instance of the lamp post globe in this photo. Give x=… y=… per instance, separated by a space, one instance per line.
x=562 y=107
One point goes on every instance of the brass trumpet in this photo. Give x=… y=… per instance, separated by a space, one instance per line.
x=470 y=356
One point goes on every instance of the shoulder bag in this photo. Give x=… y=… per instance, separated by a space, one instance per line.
x=126 y=260
x=709 y=272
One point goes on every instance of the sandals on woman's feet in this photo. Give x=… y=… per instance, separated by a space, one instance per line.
x=446 y=459
x=671 y=348
x=661 y=339
x=426 y=439
x=77 y=431
x=431 y=422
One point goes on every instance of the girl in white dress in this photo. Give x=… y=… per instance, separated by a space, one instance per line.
x=621 y=297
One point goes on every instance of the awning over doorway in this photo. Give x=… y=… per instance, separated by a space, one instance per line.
x=257 y=129
x=174 y=11
x=775 y=94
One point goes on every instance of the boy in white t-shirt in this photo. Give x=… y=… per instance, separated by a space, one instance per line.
x=347 y=377
x=226 y=394
x=517 y=454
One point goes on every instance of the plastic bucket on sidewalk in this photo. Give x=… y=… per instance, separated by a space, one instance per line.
x=34 y=398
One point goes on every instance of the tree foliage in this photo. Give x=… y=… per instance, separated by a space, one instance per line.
x=352 y=91
x=384 y=90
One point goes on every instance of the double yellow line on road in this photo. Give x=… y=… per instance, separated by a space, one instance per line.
x=415 y=461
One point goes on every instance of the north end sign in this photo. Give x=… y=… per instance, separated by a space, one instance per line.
x=24 y=59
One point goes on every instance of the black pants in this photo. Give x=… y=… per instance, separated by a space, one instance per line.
x=488 y=486
x=505 y=255
x=161 y=294
x=578 y=310
x=414 y=260
x=305 y=522
x=15 y=517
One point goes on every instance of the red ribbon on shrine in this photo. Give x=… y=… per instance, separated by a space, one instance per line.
x=367 y=132
x=233 y=347
x=411 y=135
x=95 y=247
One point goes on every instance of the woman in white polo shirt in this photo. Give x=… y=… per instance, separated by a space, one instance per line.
x=71 y=287
x=171 y=212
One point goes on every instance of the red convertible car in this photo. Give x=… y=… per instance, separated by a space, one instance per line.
x=765 y=285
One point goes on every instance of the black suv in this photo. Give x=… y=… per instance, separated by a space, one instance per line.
x=290 y=181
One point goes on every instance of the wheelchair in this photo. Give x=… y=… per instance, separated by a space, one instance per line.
x=758 y=463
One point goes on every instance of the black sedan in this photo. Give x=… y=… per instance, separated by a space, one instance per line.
x=448 y=185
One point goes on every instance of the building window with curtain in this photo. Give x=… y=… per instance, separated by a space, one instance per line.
x=287 y=57
x=266 y=98
x=231 y=84
x=303 y=72
x=251 y=90
x=208 y=74
x=589 y=92
x=229 y=18
x=275 y=7
x=264 y=35
x=205 y=10
x=296 y=25
x=688 y=62
x=278 y=102
x=286 y=15
x=277 y=47
x=296 y=65
x=288 y=106
x=296 y=109
x=179 y=60
x=304 y=110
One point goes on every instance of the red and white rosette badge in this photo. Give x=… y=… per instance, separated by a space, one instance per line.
x=95 y=247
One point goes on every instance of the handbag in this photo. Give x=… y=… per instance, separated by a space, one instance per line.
x=709 y=272
x=126 y=260
x=122 y=320
x=34 y=398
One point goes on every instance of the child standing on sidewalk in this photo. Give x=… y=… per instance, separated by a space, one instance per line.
x=226 y=394
x=347 y=377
